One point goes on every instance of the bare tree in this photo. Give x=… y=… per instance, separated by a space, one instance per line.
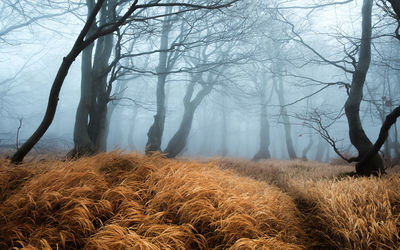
x=87 y=36
x=16 y=15
x=352 y=106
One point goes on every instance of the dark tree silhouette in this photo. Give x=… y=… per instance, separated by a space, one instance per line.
x=86 y=38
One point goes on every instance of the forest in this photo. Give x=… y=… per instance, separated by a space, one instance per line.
x=199 y=124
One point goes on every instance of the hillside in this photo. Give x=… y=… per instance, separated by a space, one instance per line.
x=122 y=201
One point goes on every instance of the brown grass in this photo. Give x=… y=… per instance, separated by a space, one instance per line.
x=283 y=173
x=114 y=201
x=129 y=201
x=340 y=213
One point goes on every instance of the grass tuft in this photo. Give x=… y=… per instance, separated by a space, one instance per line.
x=131 y=201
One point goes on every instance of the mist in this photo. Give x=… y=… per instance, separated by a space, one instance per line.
x=240 y=79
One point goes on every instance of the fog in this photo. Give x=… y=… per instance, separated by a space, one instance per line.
x=236 y=72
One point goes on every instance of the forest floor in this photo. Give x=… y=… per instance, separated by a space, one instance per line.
x=129 y=201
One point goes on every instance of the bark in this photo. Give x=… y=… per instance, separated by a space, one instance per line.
x=156 y=130
x=352 y=106
x=179 y=140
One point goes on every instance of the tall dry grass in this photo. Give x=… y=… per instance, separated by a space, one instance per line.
x=337 y=212
x=114 y=201
x=351 y=213
x=283 y=173
x=129 y=201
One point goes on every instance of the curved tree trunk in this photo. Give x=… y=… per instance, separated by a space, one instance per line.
x=352 y=106
x=79 y=45
x=179 y=140
x=383 y=134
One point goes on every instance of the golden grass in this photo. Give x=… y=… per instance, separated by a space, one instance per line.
x=114 y=201
x=282 y=173
x=341 y=213
x=353 y=213
x=129 y=201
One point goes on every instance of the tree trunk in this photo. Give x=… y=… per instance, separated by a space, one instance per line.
x=286 y=122
x=179 y=140
x=383 y=134
x=396 y=144
x=82 y=141
x=79 y=45
x=157 y=128
x=352 y=106
x=90 y=131
x=263 y=152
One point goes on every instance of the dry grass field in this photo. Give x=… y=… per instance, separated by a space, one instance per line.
x=129 y=201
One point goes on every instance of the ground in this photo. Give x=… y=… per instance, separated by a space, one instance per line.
x=123 y=201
